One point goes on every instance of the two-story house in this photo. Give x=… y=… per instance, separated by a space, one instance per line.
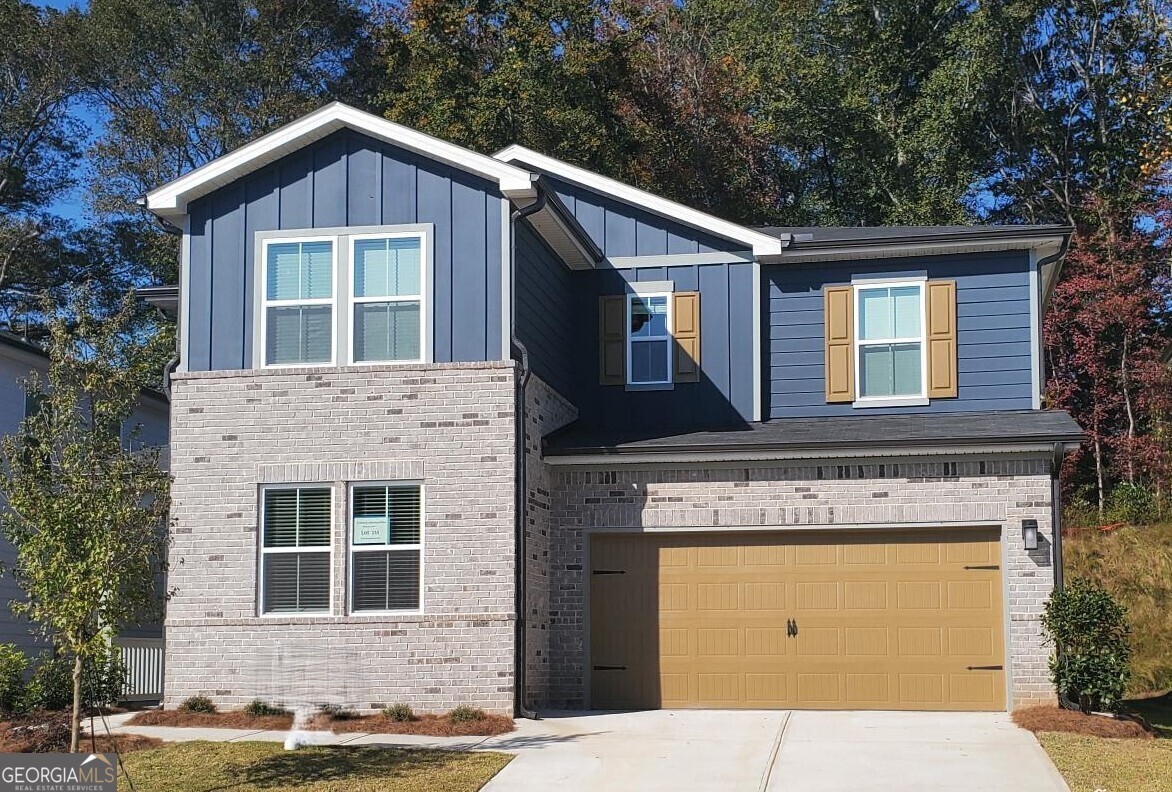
x=457 y=429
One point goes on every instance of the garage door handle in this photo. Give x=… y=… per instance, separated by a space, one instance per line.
x=609 y=572
x=987 y=566
x=610 y=668
x=986 y=668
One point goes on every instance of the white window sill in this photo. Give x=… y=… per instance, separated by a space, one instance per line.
x=908 y=401
x=650 y=386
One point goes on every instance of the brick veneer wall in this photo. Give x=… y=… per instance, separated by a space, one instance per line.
x=450 y=426
x=966 y=491
x=545 y=411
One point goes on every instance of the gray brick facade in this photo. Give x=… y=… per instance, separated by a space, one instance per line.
x=448 y=426
x=727 y=497
x=451 y=427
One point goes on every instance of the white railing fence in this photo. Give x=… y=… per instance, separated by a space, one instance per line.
x=143 y=660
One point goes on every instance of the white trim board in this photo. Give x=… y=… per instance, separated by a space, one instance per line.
x=761 y=244
x=171 y=199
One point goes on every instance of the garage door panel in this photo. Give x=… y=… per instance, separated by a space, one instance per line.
x=887 y=621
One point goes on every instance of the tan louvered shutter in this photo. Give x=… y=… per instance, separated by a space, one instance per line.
x=612 y=340
x=838 y=313
x=941 y=321
x=685 y=314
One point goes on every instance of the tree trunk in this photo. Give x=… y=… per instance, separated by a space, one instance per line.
x=75 y=721
x=1099 y=476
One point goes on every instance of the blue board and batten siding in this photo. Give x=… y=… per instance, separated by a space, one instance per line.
x=620 y=229
x=346 y=179
x=993 y=332
x=724 y=394
x=547 y=321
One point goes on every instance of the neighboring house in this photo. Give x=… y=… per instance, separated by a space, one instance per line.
x=457 y=429
x=18 y=360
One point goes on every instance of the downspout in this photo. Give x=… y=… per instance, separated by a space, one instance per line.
x=173 y=363
x=521 y=353
x=1056 y=512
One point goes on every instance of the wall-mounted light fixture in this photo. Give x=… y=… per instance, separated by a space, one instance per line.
x=1029 y=534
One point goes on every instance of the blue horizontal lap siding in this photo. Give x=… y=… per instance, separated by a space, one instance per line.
x=545 y=311
x=993 y=333
x=724 y=394
x=621 y=229
x=346 y=179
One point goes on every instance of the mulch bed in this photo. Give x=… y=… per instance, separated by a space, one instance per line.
x=430 y=725
x=1055 y=719
x=48 y=732
x=212 y=720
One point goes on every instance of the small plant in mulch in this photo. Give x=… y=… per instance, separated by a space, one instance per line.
x=1055 y=719
x=261 y=709
x=466 y=714
x=335 y=712
x=198 y=704
x=399 y=713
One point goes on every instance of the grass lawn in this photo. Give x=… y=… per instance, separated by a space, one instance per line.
x=255 y=766
x=1156 y=710
x=1096 y=763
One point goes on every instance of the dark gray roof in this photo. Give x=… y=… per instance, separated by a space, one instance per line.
x=809 y=236
x=1007 y=427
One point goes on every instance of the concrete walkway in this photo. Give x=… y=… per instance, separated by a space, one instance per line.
x=716 y=750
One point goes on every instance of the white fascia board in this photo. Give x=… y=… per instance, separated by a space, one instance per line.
x=172 y=198
x=761 y=244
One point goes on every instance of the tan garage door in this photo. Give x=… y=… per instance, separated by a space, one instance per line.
x=797 y=620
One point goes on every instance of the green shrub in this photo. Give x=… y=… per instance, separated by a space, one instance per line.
x=51 y=684
x=337 y=712
x=1089 y=629
x=13 y=664
x=260 y=709
x=466 y=714
x=400 y=713
x=200 y=704
x=1132 y=504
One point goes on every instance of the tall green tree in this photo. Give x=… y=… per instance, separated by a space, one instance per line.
x=86 y=513
x=181 y=82
x=884 y=111
x=1089 y=133
x=40 y=147
x=635 y=91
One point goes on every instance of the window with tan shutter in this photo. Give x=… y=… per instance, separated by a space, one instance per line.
x=889 y=343
x=649 y=339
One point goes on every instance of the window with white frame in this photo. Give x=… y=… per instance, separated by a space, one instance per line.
x=890 y=340
x=296 y=525
x=649 y=343
x=298 y=305
x=387 y=298
x=386 y=539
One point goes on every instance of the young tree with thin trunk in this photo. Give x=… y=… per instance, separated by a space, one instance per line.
x=85 y=508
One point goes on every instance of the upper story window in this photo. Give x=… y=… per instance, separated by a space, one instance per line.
x=344 y=296
x=387 y=298
x=890 y=343
x=890 y=340
x=649 y=339
x=298 y=305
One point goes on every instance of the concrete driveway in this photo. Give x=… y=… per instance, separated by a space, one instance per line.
x=712 y=751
